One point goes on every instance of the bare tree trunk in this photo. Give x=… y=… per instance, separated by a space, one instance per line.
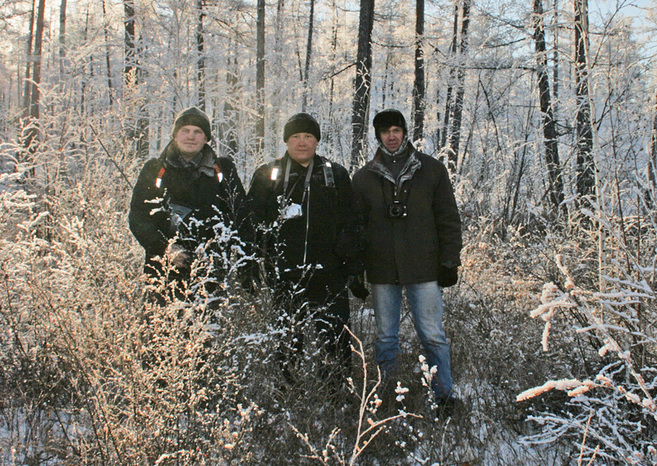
x=260 y=77
x=227 y=136
x=27 y=92
x=201 y=56
x=135 y=102
x=86 y=66
x=276 y=63
x=584 y=143
x=363 y=81
x=129 y=49
x=419 y=85
x=309 y=48
x=651 y=195
x=457 y=111
x=62 y=38
x=333 y=134
x=110 y=89
x=549 y=124
x=31 y=128
x=451 y=78
x=386 y=80
x=556 y=59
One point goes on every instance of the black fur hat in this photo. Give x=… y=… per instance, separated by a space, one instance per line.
x=301 y=123
x=195 y=117
x=387 y=118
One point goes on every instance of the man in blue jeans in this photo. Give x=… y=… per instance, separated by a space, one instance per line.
x=413 y=241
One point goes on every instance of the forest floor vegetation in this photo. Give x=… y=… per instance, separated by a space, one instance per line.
x=94 y=374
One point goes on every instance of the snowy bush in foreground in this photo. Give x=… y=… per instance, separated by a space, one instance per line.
x=612 y=415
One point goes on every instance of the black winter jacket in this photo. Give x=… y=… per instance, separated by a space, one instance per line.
x=326 y=232
x=409 y=249
x=205 y=200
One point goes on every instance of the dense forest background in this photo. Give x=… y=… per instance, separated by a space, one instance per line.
x=544 y=113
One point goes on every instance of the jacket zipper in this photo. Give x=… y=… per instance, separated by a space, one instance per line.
x=305 y=244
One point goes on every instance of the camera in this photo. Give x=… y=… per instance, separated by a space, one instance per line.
x=396 y=210
x=291 y=211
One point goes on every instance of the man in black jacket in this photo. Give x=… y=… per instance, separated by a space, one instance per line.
x=302 y=205
x=413 y=237
x=183 y=198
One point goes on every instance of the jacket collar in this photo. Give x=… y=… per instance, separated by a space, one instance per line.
x=317 y=161
x=202 y=163
x=412 y=165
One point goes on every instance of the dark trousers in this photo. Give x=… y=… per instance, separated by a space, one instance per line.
x=324 y=299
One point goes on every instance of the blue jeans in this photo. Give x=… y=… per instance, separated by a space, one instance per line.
x=426 y=302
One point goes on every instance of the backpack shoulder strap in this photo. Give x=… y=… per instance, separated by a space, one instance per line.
x=329 y=177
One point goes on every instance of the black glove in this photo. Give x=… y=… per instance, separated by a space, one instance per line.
x=447 y=276
x=356 y=284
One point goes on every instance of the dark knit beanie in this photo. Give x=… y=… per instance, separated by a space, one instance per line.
x=195 y=117
x=301 y=123
x=387 y=118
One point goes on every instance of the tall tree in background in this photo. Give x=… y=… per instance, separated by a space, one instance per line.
x=443 y=133
x=33 y=96
x=419 y=85
x=555 y=57
x=200 y=65
x=27 y=88
x=584 y=130
x=129 y=50
x=363 y=81
x=457 y=109
x=549 y=124
x=260 y=77
x=106 y=26
x=333 y=57
x=62 y=38
x=309 y=48
x=651 y=195
x=228 y=127
x=135 y=103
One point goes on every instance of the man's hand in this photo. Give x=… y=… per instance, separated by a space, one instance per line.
x=356 y=284
x=179 y=256
x=447 y=276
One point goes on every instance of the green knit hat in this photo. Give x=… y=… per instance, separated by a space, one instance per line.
x=195 y=117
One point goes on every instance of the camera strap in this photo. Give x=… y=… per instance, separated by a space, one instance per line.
x=306 y=184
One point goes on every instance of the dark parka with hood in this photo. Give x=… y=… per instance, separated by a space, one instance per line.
x=408 y=249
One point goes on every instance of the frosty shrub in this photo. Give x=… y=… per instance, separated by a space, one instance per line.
x=93 y=373
x=610 y=414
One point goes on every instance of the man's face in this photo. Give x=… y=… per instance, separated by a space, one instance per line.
x=190 y=140
x=392 y=138
x=301 y=147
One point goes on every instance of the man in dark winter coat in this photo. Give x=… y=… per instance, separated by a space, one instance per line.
x=303 y=206
x=413 y=241
x=182 y=197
